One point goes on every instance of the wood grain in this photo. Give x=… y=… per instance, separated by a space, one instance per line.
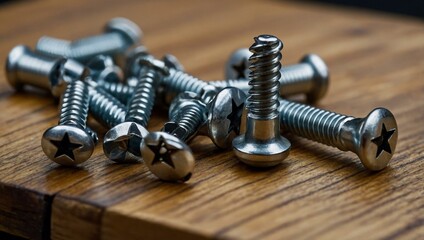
x=318 y=192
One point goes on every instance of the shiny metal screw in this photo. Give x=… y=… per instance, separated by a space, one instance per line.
x=104 y=107
x=120 y=34
x=122 y=143
x=310 y=76
x=372 y=138
x=24 y=67
x=166 y=153
x=262 y=145
x=68 y=143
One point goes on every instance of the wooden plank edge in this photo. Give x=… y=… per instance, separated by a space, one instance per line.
x=24 y=213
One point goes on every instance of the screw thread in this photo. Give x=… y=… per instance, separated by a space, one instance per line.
x=104 y=107
x=264 y=77
x=75 y=101
x=190 y=118
x=313 y=123
x=53 y=47
x=178 y=81
x=120 y=91
x=93 y=134
x=86 y=48
x=141 y=103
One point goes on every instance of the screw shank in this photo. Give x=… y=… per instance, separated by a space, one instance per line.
x=318 y=125
x=296 y=79
x=37 y=70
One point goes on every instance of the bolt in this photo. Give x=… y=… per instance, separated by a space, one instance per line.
x=119 y=35
x=68 y=143
x=102 y=68
x=25 y=67
x=309 y=77
x=262 y=145
x=122 y=143
x=372 y=138
x=166 y=153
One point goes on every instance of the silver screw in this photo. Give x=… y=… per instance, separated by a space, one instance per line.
x=24 y=67
x=104 y=107
x=166 y=153
x=262 y=145
x=68 y=143
x=120 y=34
x=310 y=76
x=122 y=142
x=372 y=138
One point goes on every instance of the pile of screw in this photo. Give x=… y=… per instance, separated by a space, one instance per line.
x=246 y=112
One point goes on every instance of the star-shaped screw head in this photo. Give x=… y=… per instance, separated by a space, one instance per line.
x=237 y=66
x=167 y=157
x=67 y=145
x=122 y=142
x=377 y=139
x=224 y=117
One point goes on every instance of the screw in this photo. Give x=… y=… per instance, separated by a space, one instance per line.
x=120 y=34
x=262 y=145
x=309 y=77
x=68 y=143
x=104 y=107
x=372 y=138
x=25 y=67
x=165 y=153
x=122 y=142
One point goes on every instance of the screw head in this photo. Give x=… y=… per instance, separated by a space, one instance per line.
x=377 y=139
x=102 y=68
x=122 y=142
x=67 y=145
x=172 y=62
x=224 y=117
x=12 y=64
x=261 y=145
x=167 y=157
x=126 y=27
x=237 y=66
x=321 y=77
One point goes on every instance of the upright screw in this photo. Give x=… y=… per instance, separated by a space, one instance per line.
x=310 y=76
x=120 y=34
x=165 y=153
x=372 y=138
x=122 y=142
x=262 y=145
x=24 y=67
x=68 y=143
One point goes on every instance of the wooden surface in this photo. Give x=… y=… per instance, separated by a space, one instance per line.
x=318 y=192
